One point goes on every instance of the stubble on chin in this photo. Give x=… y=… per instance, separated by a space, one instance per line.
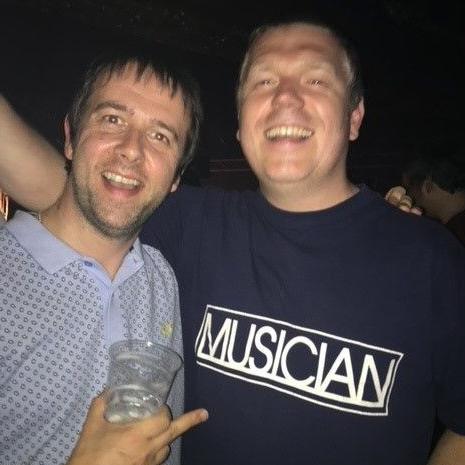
x=98 y=215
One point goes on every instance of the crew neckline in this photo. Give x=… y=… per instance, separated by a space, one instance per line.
x=337 y=214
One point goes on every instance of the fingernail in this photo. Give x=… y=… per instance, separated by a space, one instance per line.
x=204 y=415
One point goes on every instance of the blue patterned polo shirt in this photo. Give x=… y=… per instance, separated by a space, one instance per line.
x=59 y=311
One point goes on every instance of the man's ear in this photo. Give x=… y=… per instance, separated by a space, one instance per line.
x=356 y=118
x=238 y=136
x=68 y=145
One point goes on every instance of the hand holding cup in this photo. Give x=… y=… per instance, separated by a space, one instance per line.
x=137 y=443
x=139 y=380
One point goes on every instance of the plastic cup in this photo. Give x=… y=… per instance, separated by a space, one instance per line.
x=139 y=379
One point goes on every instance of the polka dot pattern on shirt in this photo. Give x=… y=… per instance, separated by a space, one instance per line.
x=53 y=354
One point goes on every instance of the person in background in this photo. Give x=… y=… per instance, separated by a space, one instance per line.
x=322 y=325
x=74 y=278
x=437 y=185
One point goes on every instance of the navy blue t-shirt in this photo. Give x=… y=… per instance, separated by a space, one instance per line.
x=314 y=338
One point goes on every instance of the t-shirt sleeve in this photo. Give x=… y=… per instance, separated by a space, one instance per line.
x=448 y=329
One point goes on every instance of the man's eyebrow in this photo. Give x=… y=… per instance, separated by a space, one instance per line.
x=111 y=104
x=167 y=127
x=260 y=66
x=120 y=107
x=265 y=66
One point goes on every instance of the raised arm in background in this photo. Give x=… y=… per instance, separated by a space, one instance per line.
x=31 y=170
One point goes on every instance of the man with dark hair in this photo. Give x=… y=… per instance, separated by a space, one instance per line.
x=75 y=278
x=330 y=322
x=437 y=185
x=169 y=73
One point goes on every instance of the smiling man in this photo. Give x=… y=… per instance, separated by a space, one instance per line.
x=296 y=118
x=333 y=322
x=322 y=325
x=74 y=278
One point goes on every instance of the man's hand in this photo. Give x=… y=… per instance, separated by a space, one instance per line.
x=398 y=197
x=144 y=442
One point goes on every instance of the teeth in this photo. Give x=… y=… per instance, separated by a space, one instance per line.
x=288 y=131
x=117 y=178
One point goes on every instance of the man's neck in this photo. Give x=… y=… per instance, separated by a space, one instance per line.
x=66 y=222
x=308 y=197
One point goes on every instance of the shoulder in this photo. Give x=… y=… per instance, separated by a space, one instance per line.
x=7 y=232
x=7 y=242
x=192 y=197
x=156 y=263
x=154 y=258
x=186 y=206
x=407 y=226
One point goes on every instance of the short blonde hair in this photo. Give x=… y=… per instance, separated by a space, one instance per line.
x=356 y=83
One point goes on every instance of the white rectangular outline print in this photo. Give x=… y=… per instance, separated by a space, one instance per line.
x=207 y=348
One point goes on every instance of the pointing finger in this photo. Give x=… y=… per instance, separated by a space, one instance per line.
x=187 y=421
x=180 y=425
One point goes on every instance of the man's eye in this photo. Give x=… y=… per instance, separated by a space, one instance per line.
x=159 y=136
x=266 y=82
x=315 y=82
x=112 y=119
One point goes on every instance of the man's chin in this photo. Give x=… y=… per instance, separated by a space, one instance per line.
x=121 y=229
x=116 y=221
x=287 y=175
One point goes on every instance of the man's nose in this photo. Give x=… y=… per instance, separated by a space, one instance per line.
x=131 y=145
x=288 y=92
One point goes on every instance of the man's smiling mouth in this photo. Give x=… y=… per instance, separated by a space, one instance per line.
x=288 y=132
x=120 y=181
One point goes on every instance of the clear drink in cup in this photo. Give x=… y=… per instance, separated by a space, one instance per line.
x=139 y=380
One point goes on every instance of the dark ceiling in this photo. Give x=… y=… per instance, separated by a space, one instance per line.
x=220 y=28
x=411 y=53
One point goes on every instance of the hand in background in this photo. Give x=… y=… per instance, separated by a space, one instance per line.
x=398 y=197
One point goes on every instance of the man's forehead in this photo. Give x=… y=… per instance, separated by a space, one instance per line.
x=304 y=40
x=128 y=89
x=299 y=37
x=127 y=82
x=131 y=75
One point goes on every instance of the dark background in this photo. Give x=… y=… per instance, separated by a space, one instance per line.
x=411 y=55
